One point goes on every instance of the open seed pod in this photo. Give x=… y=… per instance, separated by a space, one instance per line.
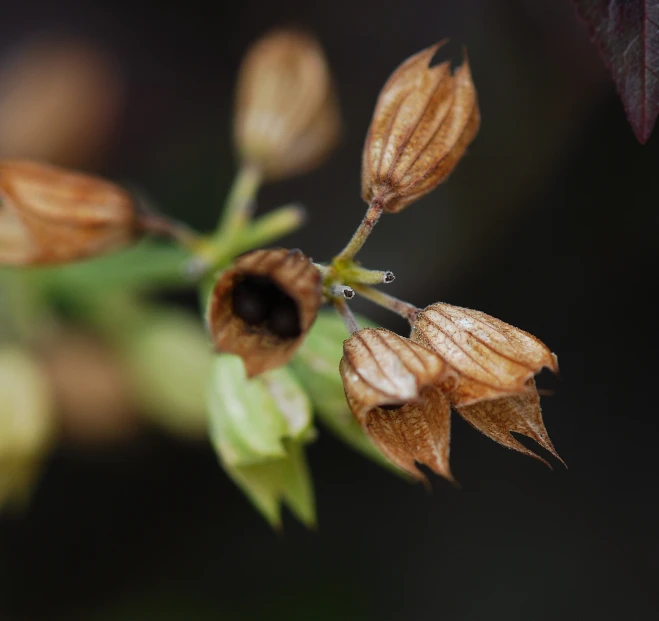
x=262 y=307
x=395 y=389
x=50 y=215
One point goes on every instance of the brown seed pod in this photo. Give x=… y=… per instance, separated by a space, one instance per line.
x=50 y=215
x=424 y=120
x=520 y=413
x=491 y=358
x=262 y=307
x=60 y=98
x=395 y=389
x=287 y=118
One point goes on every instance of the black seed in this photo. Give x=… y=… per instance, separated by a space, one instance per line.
x=252 y=300
x=284 y=319
x=260 y=302
x=391 y=407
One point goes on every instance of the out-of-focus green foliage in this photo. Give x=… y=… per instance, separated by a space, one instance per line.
x=258 y=427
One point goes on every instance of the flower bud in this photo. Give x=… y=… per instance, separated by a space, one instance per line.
x=491 y=358
x=262 y=306
x=423 y=122
x=395 y=389
x=287 y=117
x=258 y=428
x=50 y=215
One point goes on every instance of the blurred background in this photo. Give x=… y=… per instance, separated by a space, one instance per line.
x=550 y=223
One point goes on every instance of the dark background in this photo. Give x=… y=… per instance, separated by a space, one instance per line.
x=550 y=223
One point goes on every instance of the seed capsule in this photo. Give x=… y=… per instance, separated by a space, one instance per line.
x=395 y=389
x=49 y=215
x=287 y=117
x=423 y=121
x=261 y=307
x=491 y=358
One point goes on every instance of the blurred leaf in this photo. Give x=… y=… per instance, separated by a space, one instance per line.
x=147 y=265
x=258 y=427
x=170 y=357
x=26 y=423
x=627 y=35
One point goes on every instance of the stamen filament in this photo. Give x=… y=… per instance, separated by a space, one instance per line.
x=400 y=307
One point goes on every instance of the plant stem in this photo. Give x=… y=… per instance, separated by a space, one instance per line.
x=354 y=274
x=240 y=203
x=400 y=307
x=166 y=227
x=361 y=234
x=270 y=227
x=346 y=314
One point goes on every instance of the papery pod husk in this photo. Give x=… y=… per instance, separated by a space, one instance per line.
x=423 y=122
x=520 y=413
x=316 y=365
x=380 y=368
x=491 y=358
x=258 y=428
x=395 y=388
x=287 y=118
x=417 y=432
x=260 y=348
x=50 y=215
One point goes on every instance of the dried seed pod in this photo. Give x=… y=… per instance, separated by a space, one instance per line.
x=423 y=122
x=59 y=101
x=287 y=117
x=262 y=306
x=395 y=389
x=491 y=358
x=520 y=413
x=50 y=215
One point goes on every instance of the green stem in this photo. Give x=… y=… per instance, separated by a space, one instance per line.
x=269 y=227
x=213 y=252
x=361 y=234
x=400 y=307
x=240 y=203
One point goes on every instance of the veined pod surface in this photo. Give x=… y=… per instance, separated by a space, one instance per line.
x=50 y=215
x=424 y=119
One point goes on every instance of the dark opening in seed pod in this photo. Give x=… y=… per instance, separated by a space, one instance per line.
x=263 y=305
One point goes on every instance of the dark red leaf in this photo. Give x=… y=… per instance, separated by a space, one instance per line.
x=627 y=34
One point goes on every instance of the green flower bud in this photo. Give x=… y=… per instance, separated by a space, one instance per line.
x=26 y=423
x=170 y=361
x=316 y=364
x=258 y=428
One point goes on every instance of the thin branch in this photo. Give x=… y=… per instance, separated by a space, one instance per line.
x=400 y=307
